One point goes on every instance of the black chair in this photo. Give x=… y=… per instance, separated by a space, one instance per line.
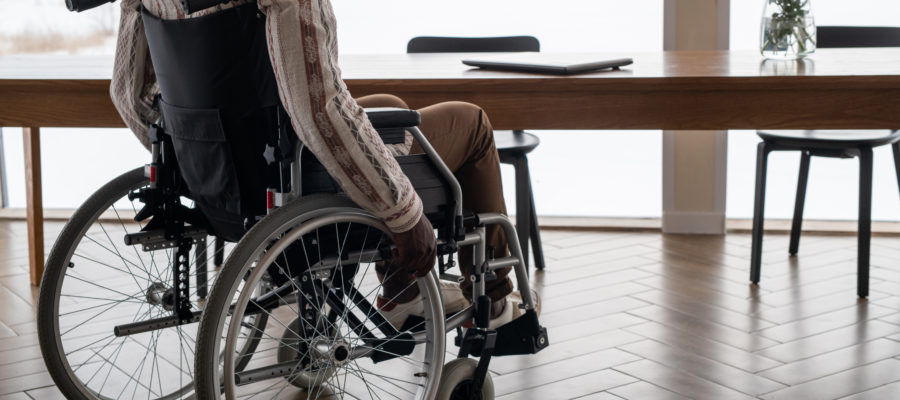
x=513 y=146
x=836 y=144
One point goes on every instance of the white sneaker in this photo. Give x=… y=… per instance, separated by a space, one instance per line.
x=513 y=309
x=396 y=313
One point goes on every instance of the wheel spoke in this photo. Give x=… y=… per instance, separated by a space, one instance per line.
x=341 y=315
x=108 y=288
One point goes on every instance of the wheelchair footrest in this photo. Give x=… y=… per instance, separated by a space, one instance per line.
x=287 y=368
x=154 y=324
x=524 y=335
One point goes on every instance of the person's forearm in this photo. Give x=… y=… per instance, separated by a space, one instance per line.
x=133 y=84
x=303 y=47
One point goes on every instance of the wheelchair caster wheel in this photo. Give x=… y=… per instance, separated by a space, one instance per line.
x=291 y=346
x=456 y=381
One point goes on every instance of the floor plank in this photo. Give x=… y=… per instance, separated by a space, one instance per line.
x=705 y=368
x=834 y=362
x=842 y=384
x=645 y=391
x=573 y=387
x=747 y=361
x=679 y=382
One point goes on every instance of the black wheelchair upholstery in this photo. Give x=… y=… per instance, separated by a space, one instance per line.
x=231 y=136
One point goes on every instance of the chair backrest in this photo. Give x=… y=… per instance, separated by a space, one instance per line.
x=433 y=44
x=857 y=36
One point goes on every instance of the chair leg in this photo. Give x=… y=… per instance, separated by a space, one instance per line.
x=536 y=247
x=865 y=222
x=798 y=205
x=523 y=205
x=762 y=155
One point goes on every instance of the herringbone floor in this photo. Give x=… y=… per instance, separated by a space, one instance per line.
x=641 y=316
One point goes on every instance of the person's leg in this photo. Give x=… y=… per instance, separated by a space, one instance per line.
x=462 y=134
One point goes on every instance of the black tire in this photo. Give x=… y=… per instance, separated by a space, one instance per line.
x=237 y=267
x=57 y=262
x=456 y=379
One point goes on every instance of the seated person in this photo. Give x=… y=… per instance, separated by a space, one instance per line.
x=302 y=45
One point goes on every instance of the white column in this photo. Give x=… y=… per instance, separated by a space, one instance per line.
x=4 y=194
x=695 y=162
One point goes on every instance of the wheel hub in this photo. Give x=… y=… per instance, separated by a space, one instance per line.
x=159 y=294
x=331 y=352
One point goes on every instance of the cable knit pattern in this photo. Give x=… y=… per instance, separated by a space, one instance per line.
x=302 y=43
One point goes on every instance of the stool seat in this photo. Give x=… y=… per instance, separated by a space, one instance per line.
x=831 y=139
x=515 y=142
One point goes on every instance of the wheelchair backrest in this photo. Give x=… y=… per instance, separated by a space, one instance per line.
x=220 y=105
x=221 y=109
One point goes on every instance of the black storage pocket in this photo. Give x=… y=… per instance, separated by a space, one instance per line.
x=204 y=156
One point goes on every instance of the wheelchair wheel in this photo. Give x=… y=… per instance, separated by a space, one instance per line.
x=325 y=338
x=456 y=381
x=93 y=283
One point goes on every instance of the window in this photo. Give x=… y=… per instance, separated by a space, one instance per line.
x=75 y=162
x=558 y=165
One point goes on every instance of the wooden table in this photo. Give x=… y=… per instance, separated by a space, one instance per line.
x=715 y=90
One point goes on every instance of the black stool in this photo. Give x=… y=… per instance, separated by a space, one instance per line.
x=513 y=146
x=840 y=144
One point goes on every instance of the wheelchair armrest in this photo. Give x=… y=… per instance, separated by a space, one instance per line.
x=388 y=118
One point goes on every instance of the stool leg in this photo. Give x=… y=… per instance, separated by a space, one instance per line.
x=896 y=148
x=798 y=205
x=865 y=222
x=523 y=205
x=536 y=247
x=762 y=155
x=201 y=263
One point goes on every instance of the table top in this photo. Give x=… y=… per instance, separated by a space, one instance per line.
x=77 y=87
x=861 y=63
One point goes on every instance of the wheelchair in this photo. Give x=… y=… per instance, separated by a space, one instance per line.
x=130 y=305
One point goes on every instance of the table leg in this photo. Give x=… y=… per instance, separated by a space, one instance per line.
x=31 y=138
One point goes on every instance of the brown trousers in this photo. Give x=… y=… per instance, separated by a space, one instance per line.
x=461 y=133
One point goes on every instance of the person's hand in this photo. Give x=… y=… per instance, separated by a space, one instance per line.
x=416 y=248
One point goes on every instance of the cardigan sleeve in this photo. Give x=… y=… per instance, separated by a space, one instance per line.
x=303 y=46
x=133 y=85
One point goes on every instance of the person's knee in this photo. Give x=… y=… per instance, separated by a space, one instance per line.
x=470 y=115
x=463 y=110
x=382 y=101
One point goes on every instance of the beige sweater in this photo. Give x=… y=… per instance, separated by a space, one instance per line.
x=303 y=47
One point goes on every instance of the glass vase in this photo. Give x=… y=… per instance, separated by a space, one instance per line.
x=788 y=30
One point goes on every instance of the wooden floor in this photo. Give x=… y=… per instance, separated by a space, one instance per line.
x=640 y=316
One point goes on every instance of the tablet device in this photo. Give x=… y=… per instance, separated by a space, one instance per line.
x=543 y=63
